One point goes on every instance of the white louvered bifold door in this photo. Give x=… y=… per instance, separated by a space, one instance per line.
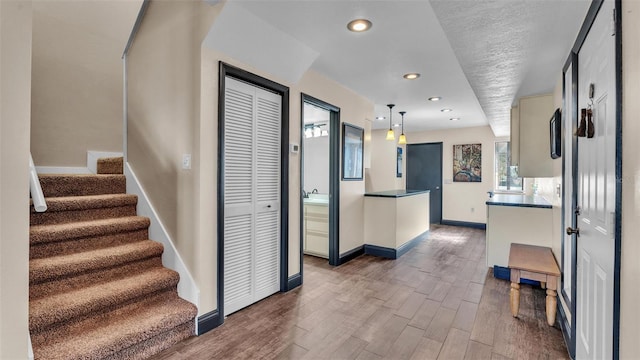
x=251 y=194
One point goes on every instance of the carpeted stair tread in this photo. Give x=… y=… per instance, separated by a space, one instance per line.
x=57 y=185
x=67 y=203
x=156 y=344
x=72 y=283
x=65 y=306
x=105 y=339
x=39 y=234
x=112 y=165
x=84 y=208
x=47 y=269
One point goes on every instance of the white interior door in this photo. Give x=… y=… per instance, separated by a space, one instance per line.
x=251 y=194
x=596 y=192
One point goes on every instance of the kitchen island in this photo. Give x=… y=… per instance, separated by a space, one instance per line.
x=522 y=219
x=395 y=221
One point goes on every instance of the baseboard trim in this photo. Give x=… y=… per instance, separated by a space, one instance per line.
x=187 y=287
x=411 y=243
x=294 y=281
x=566 y=329
x=208 y=322
x=380 y=251
x=62 y=170
x=350 y=255
x=474 y=225
x=391 y=253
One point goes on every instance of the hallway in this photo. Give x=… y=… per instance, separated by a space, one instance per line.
x=436 y=302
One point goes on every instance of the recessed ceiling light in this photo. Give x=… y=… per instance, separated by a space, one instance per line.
x=446 y=110
x=454 y=119
x=396 y=125
x=359 y=25
x=411 y=76
x=435 y=98
x=380 y=117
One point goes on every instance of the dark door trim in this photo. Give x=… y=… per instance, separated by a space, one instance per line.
x=237 y=73
x=334 y=177
x=441 y=171
x=573 y=117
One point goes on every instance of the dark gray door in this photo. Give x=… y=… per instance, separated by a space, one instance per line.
x=424 y=172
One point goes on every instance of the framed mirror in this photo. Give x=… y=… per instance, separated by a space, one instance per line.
x=352 y=152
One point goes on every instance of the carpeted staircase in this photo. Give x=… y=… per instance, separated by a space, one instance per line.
x=97 y=287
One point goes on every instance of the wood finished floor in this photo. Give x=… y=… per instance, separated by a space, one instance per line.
x=438 y=301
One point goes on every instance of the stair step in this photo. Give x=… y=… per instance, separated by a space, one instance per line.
x=51 y=288
x=83 y=208
x=52 y=268
x=61 y=239
x=65 y=306
x=57 y=185
x=114 y=165
x=136 y=330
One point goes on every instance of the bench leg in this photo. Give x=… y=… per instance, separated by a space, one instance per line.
x=515 y=299
x=551 y=307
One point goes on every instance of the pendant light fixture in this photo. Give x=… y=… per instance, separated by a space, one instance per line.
x=402 y=139
x=390 y=134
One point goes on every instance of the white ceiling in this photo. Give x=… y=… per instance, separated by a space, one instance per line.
x=478 y=55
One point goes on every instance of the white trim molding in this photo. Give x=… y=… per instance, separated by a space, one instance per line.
x=62 y=170
x=187 y=288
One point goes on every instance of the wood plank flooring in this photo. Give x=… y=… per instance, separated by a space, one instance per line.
x=438 y=301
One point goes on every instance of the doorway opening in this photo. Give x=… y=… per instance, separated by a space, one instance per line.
x=319 y=179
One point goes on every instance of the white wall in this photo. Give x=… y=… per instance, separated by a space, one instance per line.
x=77 y=78
x=382 y=174
x=460 y=201
x=316 y=164
x=15 y=112
x=630 y=266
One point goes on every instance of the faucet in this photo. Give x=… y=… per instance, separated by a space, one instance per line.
x=314 y=191
x=305 y=194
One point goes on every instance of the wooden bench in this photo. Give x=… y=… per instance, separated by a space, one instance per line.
x=534 y=263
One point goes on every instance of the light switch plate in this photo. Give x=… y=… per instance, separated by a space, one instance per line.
x=186 y=161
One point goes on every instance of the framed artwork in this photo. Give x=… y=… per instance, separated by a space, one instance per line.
x=555 y=141
x=399 y=162
x=467 y=163
x=352 y=152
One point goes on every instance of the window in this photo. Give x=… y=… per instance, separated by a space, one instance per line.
x=507 y=178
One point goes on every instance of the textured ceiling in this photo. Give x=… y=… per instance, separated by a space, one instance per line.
x=478 y=55
x=509 y=48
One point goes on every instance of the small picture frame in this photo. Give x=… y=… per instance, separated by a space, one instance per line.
x=555 y=140
x=352 y=152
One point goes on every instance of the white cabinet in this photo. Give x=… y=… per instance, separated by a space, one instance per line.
x=533 y=154
x=316 y=230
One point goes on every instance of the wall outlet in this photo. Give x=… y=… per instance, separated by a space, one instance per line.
x=186 y=161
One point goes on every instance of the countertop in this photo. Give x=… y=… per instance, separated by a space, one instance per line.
x=311 y=201
x=396 y=193
x=316 y=199
x=519 y=201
